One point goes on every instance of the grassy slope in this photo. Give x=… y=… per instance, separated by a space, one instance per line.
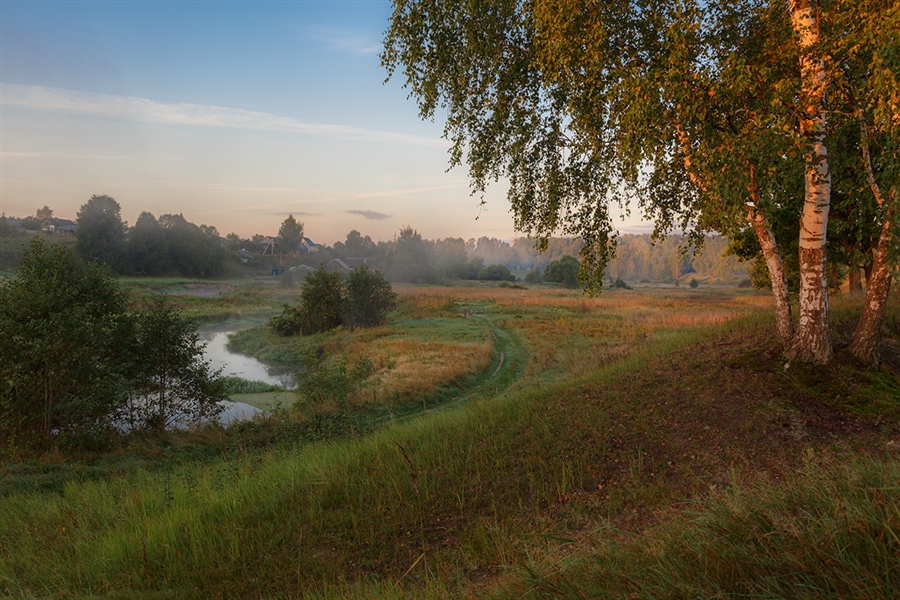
x=442 y=503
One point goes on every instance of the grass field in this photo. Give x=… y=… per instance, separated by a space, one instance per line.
x=645 y=444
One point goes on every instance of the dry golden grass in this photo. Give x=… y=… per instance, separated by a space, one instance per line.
x=568 y=334
x=409 y=369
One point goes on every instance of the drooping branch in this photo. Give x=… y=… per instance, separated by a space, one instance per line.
x=761 y=227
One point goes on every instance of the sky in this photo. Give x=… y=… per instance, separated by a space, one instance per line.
x=235 y=114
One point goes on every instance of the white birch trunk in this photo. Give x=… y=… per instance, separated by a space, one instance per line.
x=864 y=343
x=774 y=262
x=765 y=235
x=812 y=342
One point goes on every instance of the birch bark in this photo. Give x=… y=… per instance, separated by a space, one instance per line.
x=812 y=341
x=764 y=233
x=774 y=262
x=864 y=343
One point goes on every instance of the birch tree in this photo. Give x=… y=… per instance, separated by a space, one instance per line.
x=709 y=116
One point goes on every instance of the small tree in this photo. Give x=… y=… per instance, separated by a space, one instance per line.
x=321 y=306
x=369 y=298
x=563 y=271
x=44 y=213
x=171 y=383
x=63 y=324
x=100 y=232
x=290 y=234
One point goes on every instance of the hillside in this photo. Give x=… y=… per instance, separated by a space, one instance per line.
x=441 y=505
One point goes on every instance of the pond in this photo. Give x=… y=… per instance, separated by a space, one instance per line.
x=220 y=357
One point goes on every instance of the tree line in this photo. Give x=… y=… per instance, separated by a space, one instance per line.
x=168 y=245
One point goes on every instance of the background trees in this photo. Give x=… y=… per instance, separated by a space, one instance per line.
x=148 y=248
x=290 y=235
x=100 y=232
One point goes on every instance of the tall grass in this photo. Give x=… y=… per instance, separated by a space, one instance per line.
x=458 y=487
x=831 y=531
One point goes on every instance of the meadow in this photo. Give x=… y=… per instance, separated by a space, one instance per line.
x=519 y=443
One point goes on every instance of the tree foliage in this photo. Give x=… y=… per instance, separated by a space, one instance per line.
x=63 y=325
x=170 y=382
x=320 y=308
x=325 y=303
x=74 y=360
x=290 y=235
x=563 y=271
x=709 y=115
x=100 y=232
x=369 y=298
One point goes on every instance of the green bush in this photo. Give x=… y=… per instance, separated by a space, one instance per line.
x=325 y=303
x=369 y=298
x=534 y=276
x=496 y=273
x=321 y=306
x=563 y=271
x=694 y=283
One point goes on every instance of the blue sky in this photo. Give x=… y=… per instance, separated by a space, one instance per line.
x=233 y=113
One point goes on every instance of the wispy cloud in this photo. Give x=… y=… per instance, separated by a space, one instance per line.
x=343 y=40
x=201 y=115
x=370 y=214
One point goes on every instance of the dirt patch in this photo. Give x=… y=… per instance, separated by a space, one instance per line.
x=719 y=413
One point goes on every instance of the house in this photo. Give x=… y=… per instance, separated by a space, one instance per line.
x=15 y=225
x=336 y=264
x=307 y=246
x=358 y=262
x=245 y=256
x=58 y=226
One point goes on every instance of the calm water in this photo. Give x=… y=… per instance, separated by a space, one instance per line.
x=216 y=338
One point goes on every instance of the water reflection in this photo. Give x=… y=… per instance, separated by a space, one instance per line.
x=216 y=339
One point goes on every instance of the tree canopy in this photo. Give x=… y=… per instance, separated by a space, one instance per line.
x=709 y=116
x=100 y=233
x=290 y=234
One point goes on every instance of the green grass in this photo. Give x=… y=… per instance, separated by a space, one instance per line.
x=447 y=500
x=831 y=531
x=267 y=401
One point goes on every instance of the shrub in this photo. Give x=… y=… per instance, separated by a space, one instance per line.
x=170 y=381
x=620 y=284
x=496 y=273
x=694 y=283
x=534 y=276
x=322 y=383
x=232 y=384
x=563 y=271
x=321 y=306
x=369 y=298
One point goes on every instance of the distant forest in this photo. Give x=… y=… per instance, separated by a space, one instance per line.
x=171 y=245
